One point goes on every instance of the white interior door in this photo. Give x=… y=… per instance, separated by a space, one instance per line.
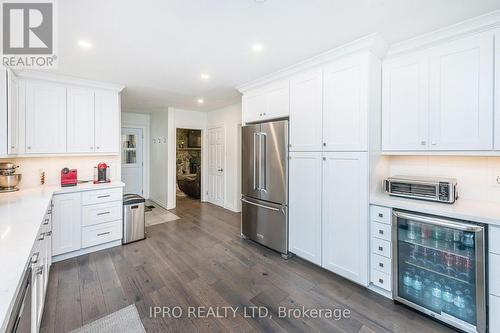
x=216 y=159
x=132 y=162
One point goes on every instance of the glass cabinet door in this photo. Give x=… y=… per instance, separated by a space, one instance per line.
x=437 y=267
x=129 y=149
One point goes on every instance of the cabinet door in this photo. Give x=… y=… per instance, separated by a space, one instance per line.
x=306 y=107
x=305 y=205
x=45 y=118
x=277 y=101
x=345 y=104
x=405 y=112
x=254 y=105
x=497 y=90
x=80 y=120
x=345 y=215
x=461 y=94
x=107 y=122
x=13 y=123
x=494 y=311
x=66 y=223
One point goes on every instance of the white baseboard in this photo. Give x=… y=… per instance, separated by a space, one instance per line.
x=87 y=250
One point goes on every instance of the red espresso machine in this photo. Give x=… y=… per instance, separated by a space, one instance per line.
x=101 y=173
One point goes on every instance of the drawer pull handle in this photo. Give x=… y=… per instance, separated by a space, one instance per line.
x=48 y=233
x=381 y=280
x=46 y=222
x=39 y=271
x=381 y=232
x=103 y=213
x=42 y=236
x=134 y=207
x=380 y=248
x=103 y=196
x=380 y=215
x=103 y=233
x=34 y=258
x=381 y=264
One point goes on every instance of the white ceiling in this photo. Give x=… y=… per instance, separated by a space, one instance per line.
x=159 y=48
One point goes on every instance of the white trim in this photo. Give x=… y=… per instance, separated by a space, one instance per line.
x=468 y=27
x=171 y=160
x=373 y=42
x=485 y=153
x=25 y=74
x=87 y=250
x=145 y=156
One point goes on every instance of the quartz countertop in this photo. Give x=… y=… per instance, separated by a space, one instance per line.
x=21 y=215
x=463 y=209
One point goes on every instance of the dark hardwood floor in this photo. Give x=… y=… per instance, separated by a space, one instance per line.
x=200 y=260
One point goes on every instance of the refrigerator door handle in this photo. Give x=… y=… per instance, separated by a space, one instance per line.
x=255 y=160
x=262 y=162
x=439 y=222
x=259 y=205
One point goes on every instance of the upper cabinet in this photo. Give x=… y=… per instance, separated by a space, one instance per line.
x=107 y=111
x=269 y=102
x=497 y=90
x=3 y=112
x=306 y=112
x=60 y=117
x=45 y=118
x=440 y=98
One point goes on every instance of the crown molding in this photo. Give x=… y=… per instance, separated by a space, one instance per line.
x=373 y=43
x=471 y=26
x=44 y=76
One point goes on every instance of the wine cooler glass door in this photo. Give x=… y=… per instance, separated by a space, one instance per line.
x=440 y=269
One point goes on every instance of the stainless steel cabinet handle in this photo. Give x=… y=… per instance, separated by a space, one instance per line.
x=438 y=221
x=324 y=144
x=103 y=196
x=103 y=213
x=29 y=147
x=42 y=236
x=12 y=147
x=39 y=270
x=380 y=248
x=381 y=232
x=34 y=257
x=259 y=205
x=98 y=147
x=48 y=233
x=220 y=170
x=104 y=233
x=381 y=264
x=380 y=215
x=381 y=280
x=46 y=221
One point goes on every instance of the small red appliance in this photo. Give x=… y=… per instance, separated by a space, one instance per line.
x=68 y=177
x=101 y=173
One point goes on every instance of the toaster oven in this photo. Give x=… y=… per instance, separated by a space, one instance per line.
x=423 y=188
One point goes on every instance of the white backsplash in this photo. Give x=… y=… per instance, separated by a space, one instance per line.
x=30 y=168
x=476 y=176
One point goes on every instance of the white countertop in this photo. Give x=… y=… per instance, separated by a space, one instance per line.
x=463 y=209
x=21 y=215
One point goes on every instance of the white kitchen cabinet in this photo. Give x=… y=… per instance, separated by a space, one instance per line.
x=345 y=215
x=45 y=118
x=440 y=99
x=80 y=120
x=497 y=90
x=305 y=205
x=3 y=112
x=66 y=223
x=306 y=112
x=405 y=95
x=345 y=104
x=13 y=114
x=461 y=94
x=268 y=102
x=107 y=121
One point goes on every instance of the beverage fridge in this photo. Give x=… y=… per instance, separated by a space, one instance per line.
x=439 y=268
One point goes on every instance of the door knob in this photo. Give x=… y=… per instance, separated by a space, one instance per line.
x=220 y=170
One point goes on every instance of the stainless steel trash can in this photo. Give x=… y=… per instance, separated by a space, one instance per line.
x=133 y=218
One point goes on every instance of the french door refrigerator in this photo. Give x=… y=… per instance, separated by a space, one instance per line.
x=439 y=268
x=264 y=216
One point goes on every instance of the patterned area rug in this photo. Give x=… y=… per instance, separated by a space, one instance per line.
x=126 y=320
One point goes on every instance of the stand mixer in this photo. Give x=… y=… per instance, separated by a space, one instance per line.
x=8 y=178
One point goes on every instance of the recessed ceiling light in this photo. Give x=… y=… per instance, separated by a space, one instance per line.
x=201 y=101
x=84 y=44
x=257 y=47
x=205 y=76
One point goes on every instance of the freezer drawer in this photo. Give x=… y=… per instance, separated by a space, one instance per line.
x=265 y=223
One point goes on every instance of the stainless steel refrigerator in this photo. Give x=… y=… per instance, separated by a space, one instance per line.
x=264 y=217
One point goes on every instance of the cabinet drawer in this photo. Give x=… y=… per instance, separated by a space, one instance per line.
x=100 y=213
x=382 y=231
x=101 y=233
x=494 y=311
x=381 y=247
x=100 y=196
x=380 y=214
x=494 y=268
x=494 y=241
x=381 y=264
x=381 y=280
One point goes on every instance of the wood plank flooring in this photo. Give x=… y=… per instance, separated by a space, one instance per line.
x=200 y=261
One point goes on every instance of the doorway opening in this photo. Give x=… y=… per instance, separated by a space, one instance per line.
x=188 y=163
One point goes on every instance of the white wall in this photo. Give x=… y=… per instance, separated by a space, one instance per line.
x=30 y=168
x=159 y=157
x=476 y=176
x=141 y=120
x=230 y=118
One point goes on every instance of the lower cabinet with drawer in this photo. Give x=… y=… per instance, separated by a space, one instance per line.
x=86 y=221
x=381 y=244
